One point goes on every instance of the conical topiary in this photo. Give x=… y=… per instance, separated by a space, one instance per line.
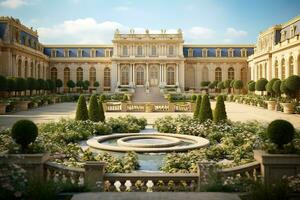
x=220 y=111
x=205 y=109
x=94 y=111
x=102 y=116
x=81 y=112
x=198 y=104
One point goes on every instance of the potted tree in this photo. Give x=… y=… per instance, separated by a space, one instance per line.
x=290 y=87
x=238 y=84
x=269 y=88
x=70 y=85
x=260 y=85
x=279 y=158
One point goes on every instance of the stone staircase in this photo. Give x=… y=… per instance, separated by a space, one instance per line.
x=154 y=95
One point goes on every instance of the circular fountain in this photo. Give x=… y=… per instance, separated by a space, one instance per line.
x=147 y=143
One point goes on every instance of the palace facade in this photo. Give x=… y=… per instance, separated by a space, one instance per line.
x=148 y=60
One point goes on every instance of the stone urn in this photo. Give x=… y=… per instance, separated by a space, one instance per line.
x=275 y=166
x=22 y=105
x=3 y=108
x=288 y=108
x=271 y=105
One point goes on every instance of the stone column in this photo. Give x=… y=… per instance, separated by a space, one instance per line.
x=147 y=75
x=93 y=176
x=165 y=74
x=130 y=75
x=133 y=74
x=296 y=66
x=177 y=74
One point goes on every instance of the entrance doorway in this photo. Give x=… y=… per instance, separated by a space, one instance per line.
x=154 y=76
x=140 y=75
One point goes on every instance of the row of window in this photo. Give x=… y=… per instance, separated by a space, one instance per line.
x=78 y=52
x=79 y=75
x=217 y=52
x=30 y=70
x=284 y=34
x=153 y=51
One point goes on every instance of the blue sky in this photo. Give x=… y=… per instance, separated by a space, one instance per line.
x=202 y=21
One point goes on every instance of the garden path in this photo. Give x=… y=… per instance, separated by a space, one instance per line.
x=235 y=112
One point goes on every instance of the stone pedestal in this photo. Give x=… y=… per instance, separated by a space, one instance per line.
x=93 y=176
x=22 y=105
x=275 y=166
x=288 y=108
x=3 y=108
x=271 y=105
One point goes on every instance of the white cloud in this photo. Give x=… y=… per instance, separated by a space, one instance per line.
x=200 y=32
x=122 y=8
x=232 y=32
x=13 y=3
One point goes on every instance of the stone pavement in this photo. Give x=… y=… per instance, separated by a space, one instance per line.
x=235 y=112
x=155 y=196
x=154 y=95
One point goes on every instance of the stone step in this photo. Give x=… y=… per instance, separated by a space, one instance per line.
x=154 y=95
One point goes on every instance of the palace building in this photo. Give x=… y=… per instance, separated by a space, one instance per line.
x=148 y=60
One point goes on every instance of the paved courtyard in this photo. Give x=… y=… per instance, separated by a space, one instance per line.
x=235 y=112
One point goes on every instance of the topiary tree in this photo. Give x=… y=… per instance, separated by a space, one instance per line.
x=94 y=111
x=3 y=83
x=276 y=88
x=284 y=89
x=280 y=132
x=227 y=85
x=21 y=85
x=197 y=108
x=293 y=85
x=269 y=86
x=231 y=85
x=31 y=84
x=96 y=84
x=50 y=85
x=261 y=85
x=125 y=98
x=238 y=84
x=70 y=84
x=220 y=86
x=41 y=85
x=251 y=86
x=193 y=98
x=211 y=86
x=11 y=85
x=81 y=112
x=102 y=115
x=58 y=84
x=23 y=133
x=220 y=111
x=204 y=83
x=205 y=109
x=79 y=84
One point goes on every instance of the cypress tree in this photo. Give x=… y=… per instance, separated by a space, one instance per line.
x=220 y=111
x=102 y=116
x=198 y=104
x=81 y=112
x=94 y=111
x=205 y=109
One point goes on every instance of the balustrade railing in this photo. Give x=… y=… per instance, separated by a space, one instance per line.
x=136 y=107
x=183 y=108
x=161 y=107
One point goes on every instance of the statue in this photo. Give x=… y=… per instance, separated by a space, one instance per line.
x=179 y=31
x=117 y=31
x=147 y=31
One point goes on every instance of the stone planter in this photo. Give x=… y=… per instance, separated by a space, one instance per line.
x=275 y=166
x=271 y=105
x=288 y=108
x=22 y=105
x=149 y=108
x=3 y=108
x=32 y=163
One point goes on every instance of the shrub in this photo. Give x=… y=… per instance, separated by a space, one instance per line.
x=220 y=111
x=24 y=132
x=193 y=98
x=86 y=83
x=238 y=84
x=269 y=85
x=70 y=84
x=293 y=84
x=96 y=84
x=251 y=86
x=232 y=83
x=21 y=84
x=3 y=83
x=41 y=84
x=280 y=132
x=11 y=85
x=31 y=84
x=276 y=87
x=94 y=111
x=81 y=112
x=197 y=108
x=125 y=98
x=261 y=85
x=102 y=116
x=211 y=86
x=58 y=83
x=205 y=109
x=204 y=83
x=220 y=85
x=51 y=84
x=284 y=89
x=102 y=98
x=227 y=84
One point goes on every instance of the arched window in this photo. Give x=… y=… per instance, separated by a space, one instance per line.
x=276 y=69
x=39 y=71
x=125 y=75
x=282 y=69
x=140 y=51
x=218 y=74
x=171 y=50
x=106 y=77
x=205 y=74
x=20 y=68
x=53 y=73
x=140 y=75
x=153 y=51
x=26 y=69
x=170 y=76
x=125 y=51
x=291 y=66
x=92 y=76
x=231 y=73
x=66 y=75
x=31 y=70
x=79 y=74
x=244 y=75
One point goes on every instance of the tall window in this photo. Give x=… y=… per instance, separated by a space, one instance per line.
x=291 y=66
x=140 y=51
x=171 y=50
x=79 y=74
x=19 y=68
x=231 y=73
x=125 y=51
x=66 y=75
x=282 y=69
x=125 y=75
x=218 y=74
x=26 y=69
x=170 y=76
x=39 y=71
x=140 y=75
x=205 y=74
x=92 y=76
x=276 y=69
x=153 y=51
x=106 y=77
x=31 y=70
x=53 y=73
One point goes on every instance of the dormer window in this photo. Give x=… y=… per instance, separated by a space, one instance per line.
x=125 y=51
x=140 y=51
x=293 y=30
x=190 y=52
